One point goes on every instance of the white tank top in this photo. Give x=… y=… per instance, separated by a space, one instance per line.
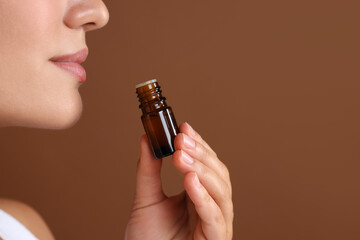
x=12 y=229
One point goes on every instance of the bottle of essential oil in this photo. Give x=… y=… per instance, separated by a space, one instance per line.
x=158 y=119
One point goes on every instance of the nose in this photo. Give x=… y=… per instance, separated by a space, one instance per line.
x=87 y=14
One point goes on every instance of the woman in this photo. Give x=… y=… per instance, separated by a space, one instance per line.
x=42 y=44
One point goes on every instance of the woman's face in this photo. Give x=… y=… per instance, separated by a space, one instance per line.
x=35 y=92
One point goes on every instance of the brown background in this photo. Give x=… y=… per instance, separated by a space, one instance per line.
x=273 y=86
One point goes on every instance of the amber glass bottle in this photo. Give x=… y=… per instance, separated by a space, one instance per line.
x=158 y=119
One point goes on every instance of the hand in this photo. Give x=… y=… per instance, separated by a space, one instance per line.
x=204 y=210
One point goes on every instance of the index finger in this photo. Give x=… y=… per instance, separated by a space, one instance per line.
x=201 y=150
x=188 y=130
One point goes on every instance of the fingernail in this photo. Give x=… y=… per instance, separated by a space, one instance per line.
x=192 y=131
x=186 y=158
x=189 y=142
x=196 y=181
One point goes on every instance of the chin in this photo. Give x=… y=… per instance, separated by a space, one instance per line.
x=58 y=106
x=66 y=117
x=57 y=117
x=66 y=121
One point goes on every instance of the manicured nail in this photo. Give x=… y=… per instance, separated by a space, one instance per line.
x=196 y=181
x=189 y=142
x=186 y=158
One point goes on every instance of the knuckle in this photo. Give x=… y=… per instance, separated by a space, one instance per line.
x=229 y=234
x=202 y=171
x=198 y=148
x=207 y=199
x=219 y=219
x=204 y=152
x=229 y=229
x=197 y=136
x=226 y=193
x=225 y=170
x=210 y=150
x=214 y=153
x=232 y=213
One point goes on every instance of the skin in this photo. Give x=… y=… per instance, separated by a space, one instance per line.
x=204 y=210
x=35 y=93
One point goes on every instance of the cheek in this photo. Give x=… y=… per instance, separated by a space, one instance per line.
x=30 y=24
x=34 y=92
x=50 y=101
x=28 y=31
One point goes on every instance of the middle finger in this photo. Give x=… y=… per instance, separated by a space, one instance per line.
x=217 y=188
x=197 y=151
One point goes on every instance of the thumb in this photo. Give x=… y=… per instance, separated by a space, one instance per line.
x=148 y=177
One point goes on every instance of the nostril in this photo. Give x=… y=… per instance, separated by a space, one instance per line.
x=90 y=25
x=89 y=15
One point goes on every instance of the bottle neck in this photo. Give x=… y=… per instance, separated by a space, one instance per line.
x=150 y=97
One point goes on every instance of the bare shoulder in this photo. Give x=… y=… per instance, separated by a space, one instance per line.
x=28 y=216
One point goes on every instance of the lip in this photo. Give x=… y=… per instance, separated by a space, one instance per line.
x=71 y=63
